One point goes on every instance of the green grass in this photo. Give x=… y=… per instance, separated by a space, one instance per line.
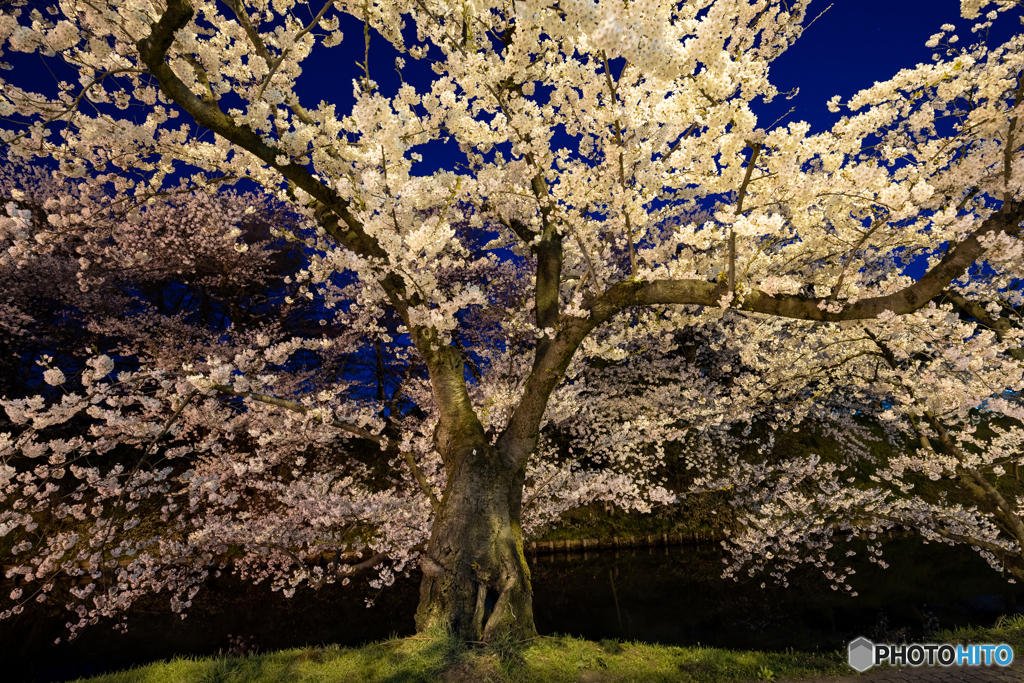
x=441 y=658
x=1009 y=630
x=559 y=659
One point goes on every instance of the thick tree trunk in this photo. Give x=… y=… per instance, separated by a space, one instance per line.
x=476 y=580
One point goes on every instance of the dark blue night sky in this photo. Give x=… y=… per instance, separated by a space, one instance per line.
x=850 y=46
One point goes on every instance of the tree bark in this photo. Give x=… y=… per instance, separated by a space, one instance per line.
x=475 y=577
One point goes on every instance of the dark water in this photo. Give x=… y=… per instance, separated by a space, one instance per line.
x=673 y=597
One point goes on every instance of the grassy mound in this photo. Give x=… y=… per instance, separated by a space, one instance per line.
x=546 y=659
x=441 y=658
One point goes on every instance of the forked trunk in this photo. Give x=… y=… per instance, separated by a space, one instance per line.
x=475 y=576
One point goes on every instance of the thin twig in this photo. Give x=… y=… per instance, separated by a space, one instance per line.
x=279 y=60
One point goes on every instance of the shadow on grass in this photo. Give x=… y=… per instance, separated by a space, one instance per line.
x=395 y=661
x=443 y=659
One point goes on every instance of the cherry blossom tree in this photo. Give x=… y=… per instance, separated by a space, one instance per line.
x=170 y=300
x=617 y=191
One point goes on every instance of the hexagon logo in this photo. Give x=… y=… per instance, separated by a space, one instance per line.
x=862 y=654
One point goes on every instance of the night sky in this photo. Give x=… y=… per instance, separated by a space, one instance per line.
x=851 y=45
x=854 y=44
x=848 y=47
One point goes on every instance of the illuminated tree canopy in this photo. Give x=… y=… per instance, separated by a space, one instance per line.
x=419 y=369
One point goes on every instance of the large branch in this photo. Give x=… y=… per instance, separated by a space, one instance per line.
x=548 y=248
x=343 y=226
x=520 y=436
x=458 y=429
x=549 y=279
x=522 y=433
x=907 y=300
x=333 y=213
